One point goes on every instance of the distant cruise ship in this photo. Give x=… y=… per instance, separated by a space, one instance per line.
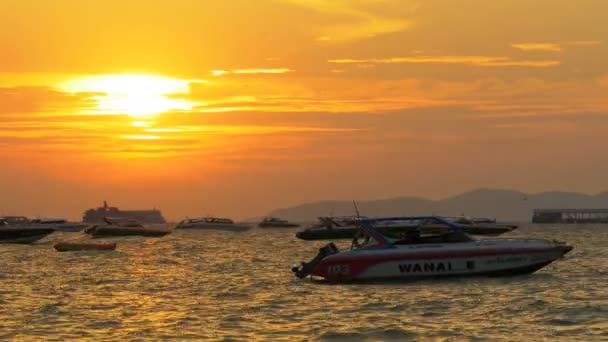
x=143 y=216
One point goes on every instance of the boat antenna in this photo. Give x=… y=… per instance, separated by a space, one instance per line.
x=356 y=209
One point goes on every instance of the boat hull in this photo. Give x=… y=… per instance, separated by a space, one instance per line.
x=23 y=235
x=76 y=227
x=278 y=225
x=225 y=227
x=65 y=227
x=101 y=231
x=415 y=265
x=73 y=246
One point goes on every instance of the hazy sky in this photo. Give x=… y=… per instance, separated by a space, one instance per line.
x=237 y=107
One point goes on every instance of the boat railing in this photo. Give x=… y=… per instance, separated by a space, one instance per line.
x=437 y=219
x=496 y=240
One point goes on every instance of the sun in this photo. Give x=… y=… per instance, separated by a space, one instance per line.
x=137 y=95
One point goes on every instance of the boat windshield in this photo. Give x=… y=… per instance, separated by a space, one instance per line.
x=414 y=237
x=13 y=220
x=367 y=239
x=362 y=240
x=219 y=220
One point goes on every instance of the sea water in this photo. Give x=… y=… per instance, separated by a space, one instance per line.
x=218 y=285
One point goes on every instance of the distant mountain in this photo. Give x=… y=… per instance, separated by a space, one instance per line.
x=505 y=205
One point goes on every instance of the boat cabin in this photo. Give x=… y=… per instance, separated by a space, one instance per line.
x=274 y=220
x=209 y=220
x=414 y=237
x=365 y=240
x=49 y=221
x=15 y=220
x=122 y=222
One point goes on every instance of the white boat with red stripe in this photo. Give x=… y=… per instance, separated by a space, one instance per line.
x=374 y=256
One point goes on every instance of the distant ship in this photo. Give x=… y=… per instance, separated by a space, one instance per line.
x=152 y=216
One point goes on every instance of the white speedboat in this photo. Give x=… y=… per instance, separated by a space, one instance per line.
x=374 y=256
x=59 y=224
x=213 y=223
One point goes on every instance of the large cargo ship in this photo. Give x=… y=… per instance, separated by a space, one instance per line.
x=152 y=216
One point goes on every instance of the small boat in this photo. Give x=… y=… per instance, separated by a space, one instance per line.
x=274 y=222
x=83 y=246
x=21 y=233
x=330 y=228
x=59 y=224
x=473 y=220
x=124 y=227
x=213 y=223
x=374 y=256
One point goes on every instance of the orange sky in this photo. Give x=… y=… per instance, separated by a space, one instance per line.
x=238 y=107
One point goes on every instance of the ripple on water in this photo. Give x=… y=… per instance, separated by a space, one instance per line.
x=211 y=285
x=391 y=334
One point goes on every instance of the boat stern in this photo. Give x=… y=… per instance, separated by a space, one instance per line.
x=564 y=248
x=310 y=268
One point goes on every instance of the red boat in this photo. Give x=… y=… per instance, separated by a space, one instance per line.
x=83 y=246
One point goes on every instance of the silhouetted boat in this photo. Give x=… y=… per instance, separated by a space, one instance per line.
x=59 y=224
x=21 y=233
x=124 y=227
x=14 y=220
x=375 y=256
x=212 y=223
x=152 y=216
x=273 y=222
x=330 y=228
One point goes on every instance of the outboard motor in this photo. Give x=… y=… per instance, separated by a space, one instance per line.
x=306 y=268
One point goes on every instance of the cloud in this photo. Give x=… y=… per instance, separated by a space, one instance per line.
x=537 y=47
x=584 y=43
x=40 y=100
x=351 y=94
x=486 y=61
x=251 y=71
x=355 y=20
x=553 y=47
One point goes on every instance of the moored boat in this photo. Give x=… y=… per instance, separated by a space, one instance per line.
x=148 y=216
x=84 y=246
x=14 y=220
x=124 y=227
x=212 y=223
x=21 y=233
x=330 y=228
x=59 y=224
x=274 y=222
x=455 y=253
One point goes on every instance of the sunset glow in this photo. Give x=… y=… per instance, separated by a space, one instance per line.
x=195 y=105
x=132 y=94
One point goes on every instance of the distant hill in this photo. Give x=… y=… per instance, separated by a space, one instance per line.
x=506 y=205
